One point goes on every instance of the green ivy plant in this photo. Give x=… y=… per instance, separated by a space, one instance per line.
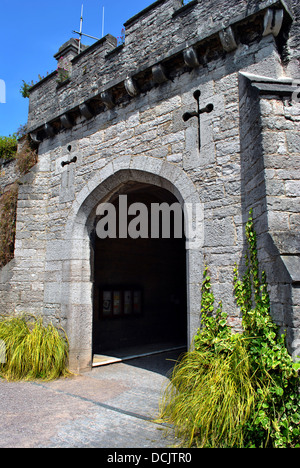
x=214 y=334
x=211 y=395
x=236 y=389
x=276 y=420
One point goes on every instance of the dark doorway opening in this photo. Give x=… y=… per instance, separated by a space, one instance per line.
x=140 y=301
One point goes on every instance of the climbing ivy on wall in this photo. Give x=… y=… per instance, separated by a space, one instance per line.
x=236 y=390
x=276 y=419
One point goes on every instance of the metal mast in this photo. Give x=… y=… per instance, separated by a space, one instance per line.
x=86 y=35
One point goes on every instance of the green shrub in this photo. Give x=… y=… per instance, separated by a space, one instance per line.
x=236 y=390
x=33 y=351
x=8 y=147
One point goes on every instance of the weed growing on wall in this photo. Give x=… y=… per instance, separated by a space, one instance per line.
x=33 y=351
x=63 y=69
x=236 y=390
x=26 y=157
x=26 y=86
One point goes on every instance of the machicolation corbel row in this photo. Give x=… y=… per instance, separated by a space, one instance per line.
x=105 y=76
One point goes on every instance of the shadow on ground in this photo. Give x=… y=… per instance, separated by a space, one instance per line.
x=108 y=407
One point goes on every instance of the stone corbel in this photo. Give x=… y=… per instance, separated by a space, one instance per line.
x=107 y=98
x=227 y=39
x=85 y=111
x=159 y=74
x=49 y=130
x=66 y=122
x=34 y=137
x=131 y=86
x=273 y=22
x=190 y=57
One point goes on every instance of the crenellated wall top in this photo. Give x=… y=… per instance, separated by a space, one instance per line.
x=162 y=41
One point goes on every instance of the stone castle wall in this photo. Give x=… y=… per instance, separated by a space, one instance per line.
x=119 y=117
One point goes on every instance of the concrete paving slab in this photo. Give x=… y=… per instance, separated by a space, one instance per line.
x=109 y=407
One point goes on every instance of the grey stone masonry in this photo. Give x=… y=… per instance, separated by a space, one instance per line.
x=118 y=121
x=8 y=174
x=271 y=124
x=104 y=69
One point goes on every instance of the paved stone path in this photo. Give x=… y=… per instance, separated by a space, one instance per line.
x=109 y=407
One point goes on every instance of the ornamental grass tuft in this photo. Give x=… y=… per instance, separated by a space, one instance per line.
x=33 y=351
x=210 y=398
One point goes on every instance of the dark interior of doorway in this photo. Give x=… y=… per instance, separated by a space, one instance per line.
x=152 y=272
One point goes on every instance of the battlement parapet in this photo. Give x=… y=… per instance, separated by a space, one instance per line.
x=162 y=41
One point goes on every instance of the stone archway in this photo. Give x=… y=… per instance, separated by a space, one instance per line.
x=79 y=294
x=139 y=273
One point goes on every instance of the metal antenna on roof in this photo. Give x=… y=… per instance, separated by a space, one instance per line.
x=103 y=23
x=81 y=33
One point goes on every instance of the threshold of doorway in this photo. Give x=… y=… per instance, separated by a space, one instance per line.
x=104 y=360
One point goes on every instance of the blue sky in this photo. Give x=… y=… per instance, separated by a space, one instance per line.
x=32 y=32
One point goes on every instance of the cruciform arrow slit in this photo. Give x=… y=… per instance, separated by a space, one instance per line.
x=188 y=115
x=67 y=163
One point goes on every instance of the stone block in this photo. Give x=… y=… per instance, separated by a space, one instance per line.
x=58 y=250
x=292 y=264
x=219 y=232
x=293 y=142
x=292 y=188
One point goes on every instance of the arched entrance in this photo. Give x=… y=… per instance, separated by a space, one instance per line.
x=140 y=299
x=78 y=245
